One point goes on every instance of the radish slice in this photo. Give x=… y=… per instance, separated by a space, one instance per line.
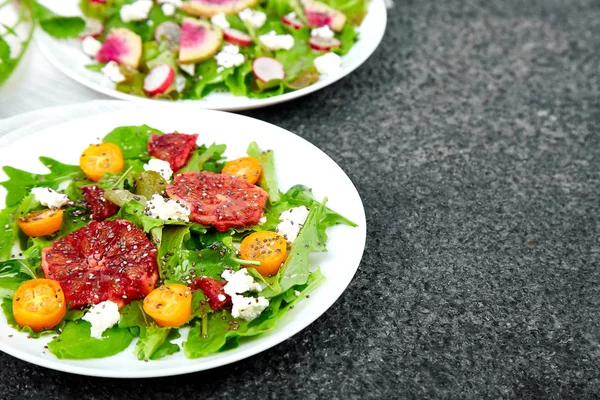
x=93 y=28
x=168 y=31
x=291 y=22
x=159 y=79
x=324 y=44
x=266 y=69
x=237 y=37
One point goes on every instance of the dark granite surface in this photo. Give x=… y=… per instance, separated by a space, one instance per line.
x=473 y=136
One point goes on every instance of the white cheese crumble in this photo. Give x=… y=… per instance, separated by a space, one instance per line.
x=168 y=9
x=248 y=308
x=160 y=166
x=102 y=316
x=163 y=209
x=91 y=46
x=239 y=282
x=273 y=41
x=255 y=19
x=327 y=64
x=137 y=11
x=112 y=71
x=220 y=21
x=180 y=83
x=291 y=222
x=262 y=220
x=49 y=197
x=221 y=297
x=229 y=56
x=189 y=69
x=324 y=32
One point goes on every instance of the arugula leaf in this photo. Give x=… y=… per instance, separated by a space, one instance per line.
x=8 y=232
x=134 y=212
x=172 y=265
x=134 y=318
x=20 y=182
x=268 y=178
x=210 y=78
x=56 y=25
x=12 y=275
x=347 y=37
x=133 y=141
x=157 y=343
x=206 y=159
x=75 y=342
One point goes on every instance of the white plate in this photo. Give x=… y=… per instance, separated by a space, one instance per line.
x=67 y=56
x=296 y=161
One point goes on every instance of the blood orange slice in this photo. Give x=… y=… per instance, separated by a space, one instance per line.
x=219 y=200
x=108 y=260
x=174 y=148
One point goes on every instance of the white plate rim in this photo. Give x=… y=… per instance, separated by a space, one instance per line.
x=376 y=20
x=227 y=357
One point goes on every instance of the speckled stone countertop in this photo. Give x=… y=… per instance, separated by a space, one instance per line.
x=473 y=136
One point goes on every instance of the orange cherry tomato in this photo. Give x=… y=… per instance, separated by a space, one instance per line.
x=39 y=304
x=100 y=158
x=267 y=247
x=169 y=305
x=247 y=168
x=41 y=223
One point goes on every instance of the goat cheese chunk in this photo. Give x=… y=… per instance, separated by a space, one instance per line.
x=160 y=166
x=137 y=11
x=273 y=41
x=167 y=210
x=102 y=316
x=49 y=197
x=292 y=221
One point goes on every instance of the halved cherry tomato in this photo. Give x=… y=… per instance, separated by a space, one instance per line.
x=169 y=305
x=247 y=168
x=41 y=223
x=39 y=304
x=267 y=247
x=100 y=158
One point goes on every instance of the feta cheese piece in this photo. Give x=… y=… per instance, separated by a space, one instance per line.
x=239 y=282
x=112 y=71
x=179 y=83
x=327 y=64
x=49 y=197
x=220 y=21
x=324 y=32
x=160 y=166
x=229 y=56
x=221 y=297
x=189 y=69
x=166 y=210
x=255 y=19
x=262 y=220
x=248 y=308
x=91 y=46
x=291 y=222
x=137 y=11
x=273 y=41
x=102 y=316
x=168 y=9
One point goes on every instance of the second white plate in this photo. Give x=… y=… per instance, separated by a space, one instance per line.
x=67 y=56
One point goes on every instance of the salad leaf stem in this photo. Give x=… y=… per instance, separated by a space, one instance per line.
x=122 y=178
x=204 y=330
x=246 y=262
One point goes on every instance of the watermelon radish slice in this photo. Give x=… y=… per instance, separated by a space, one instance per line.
x=324 y=44
x=320 y=14
x=93 y=28
x=159 y=79
x=168 y=32
x=267 y=69
x=237 y=37
x=199 y=41
x=292 y=21
x=209 y=8
x=122 y=46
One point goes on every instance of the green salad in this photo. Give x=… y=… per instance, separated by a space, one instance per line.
x=186 y=49
x=151 y=233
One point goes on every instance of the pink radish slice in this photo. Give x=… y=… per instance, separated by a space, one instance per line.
x=237 y=37
x=324 y=44
x=294 y=23
x=159 y=79
x=93 y=28
x=168 y=31
x=266 y=69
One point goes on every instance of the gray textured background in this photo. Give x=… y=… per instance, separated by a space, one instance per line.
x=472 y=136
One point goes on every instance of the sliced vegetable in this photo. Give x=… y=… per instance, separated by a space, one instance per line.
x=39 y=304
x=267 y=69
x=324 y=44
x=159 y=79
x=237 y=37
